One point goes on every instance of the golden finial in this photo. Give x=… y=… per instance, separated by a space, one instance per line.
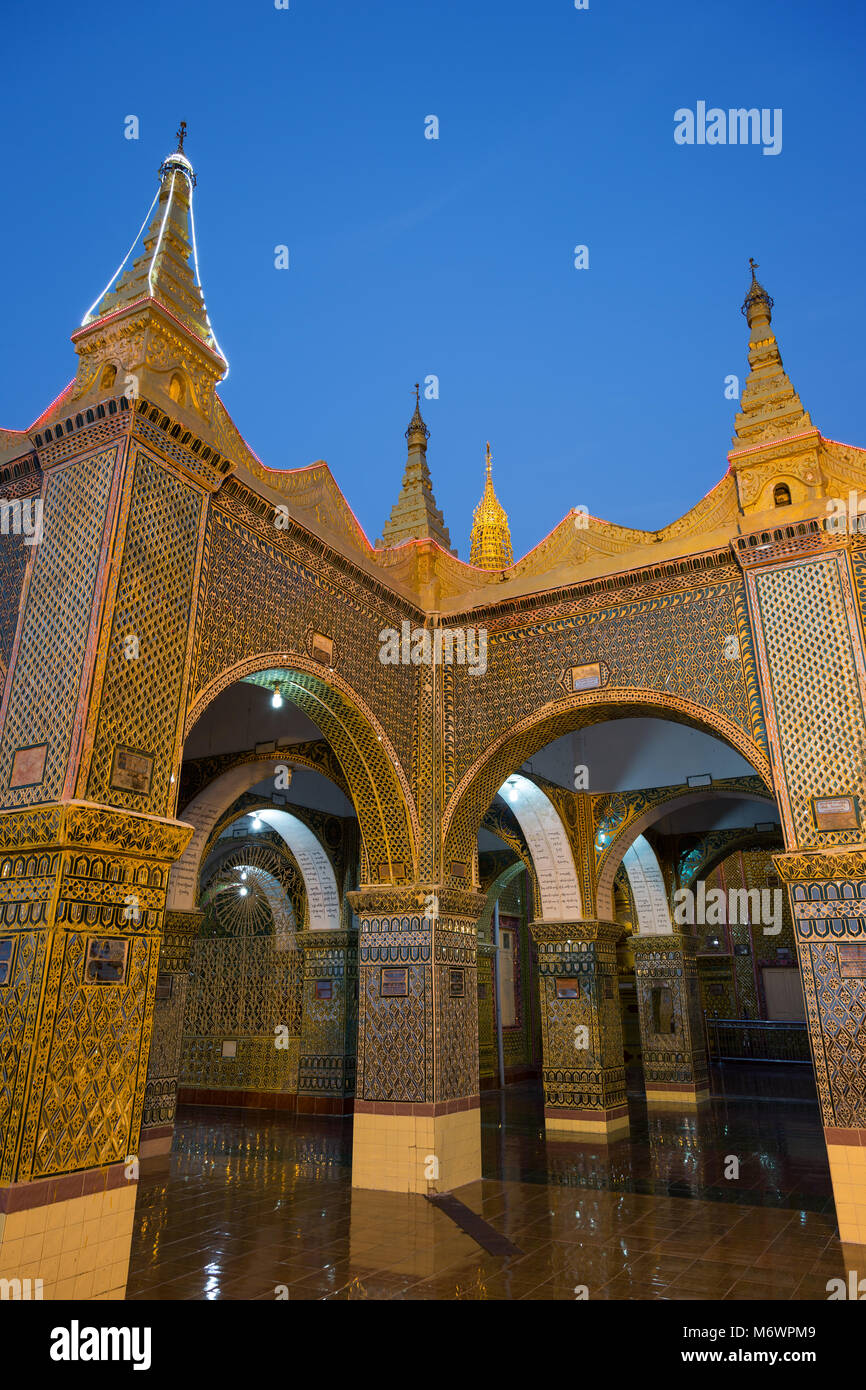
x=491 y=536
x=181 y=136
x=756 y=296
x=417 y=428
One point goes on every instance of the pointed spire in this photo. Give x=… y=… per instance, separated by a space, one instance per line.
x=415 y=515
x=491 y=535
x=769 y=406
x=148 y=334
x=166 y=270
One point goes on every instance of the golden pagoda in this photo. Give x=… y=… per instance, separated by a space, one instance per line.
x=491 y=537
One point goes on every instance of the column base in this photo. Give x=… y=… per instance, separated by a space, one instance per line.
x=416 y=1148
x=674 y=1093
x=67 y=1237
x=846 y=1152
x=612 y=1123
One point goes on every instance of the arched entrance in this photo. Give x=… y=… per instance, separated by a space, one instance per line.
x=378 y=784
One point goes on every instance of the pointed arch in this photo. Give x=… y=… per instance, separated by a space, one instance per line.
x=480 y=782
x=549 y=847
x=204 y=812
x=378 y=785
x=648 y=889
x=620 y=844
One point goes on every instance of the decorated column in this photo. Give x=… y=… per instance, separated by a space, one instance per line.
x=806 y=587
x=180 y=930
x=673 y=1044
x=417 y=1110
x=582 y=1058
x=326 y=1073
x=84 y=889
x=92 y=726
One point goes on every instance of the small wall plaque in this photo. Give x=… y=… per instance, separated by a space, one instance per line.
x=164 y=983
x=322 y=649
x=852 y=960
x=324 y=989
x=586 y=677
x=131 y=770
x=230 y=1047
x=394 y=983
x=567 y=989
x=105 y=960
x=7 y=959
x=457 y=982
x=835 y=812
x=28 y=766
x=458 y=868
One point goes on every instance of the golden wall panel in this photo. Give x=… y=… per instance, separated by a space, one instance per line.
x=63 y=588
x=141 y=705
x=812 y=672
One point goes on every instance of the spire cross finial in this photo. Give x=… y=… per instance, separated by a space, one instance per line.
x=417 y=395
x=754 y=264
x=181 y=136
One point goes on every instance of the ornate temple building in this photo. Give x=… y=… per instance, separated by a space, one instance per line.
x=313 y=829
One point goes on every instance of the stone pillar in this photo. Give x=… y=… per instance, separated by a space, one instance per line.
x=417 y=1111
x=806 y=589
x=180 y=930
x=671 y=1020
x=84 y=892
x=486 y=990
x=329 y=1022
x=828 y=903
x=581 y=1028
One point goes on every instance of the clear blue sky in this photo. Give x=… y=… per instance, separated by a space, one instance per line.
x=603 y=387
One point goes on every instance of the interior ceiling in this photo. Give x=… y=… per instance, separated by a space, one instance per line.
x=310 y=789
x=242 y=716
x=631 y=754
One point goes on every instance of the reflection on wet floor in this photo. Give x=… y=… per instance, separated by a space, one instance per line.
x=260 y=1206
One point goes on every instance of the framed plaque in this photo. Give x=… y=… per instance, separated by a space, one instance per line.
x=7 y=959
x=28 y=766
x=835 y=812
x=105 y=960
x=230 y=1047
x=457 y=982
x=852 y=960
x=324 y=989
x=164 y=982
x=131 y=770
x=586 y=677
x=567 y=989
x=394 y=984
x=323 y=649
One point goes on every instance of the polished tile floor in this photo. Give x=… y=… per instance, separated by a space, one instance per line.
x=260 y=1206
